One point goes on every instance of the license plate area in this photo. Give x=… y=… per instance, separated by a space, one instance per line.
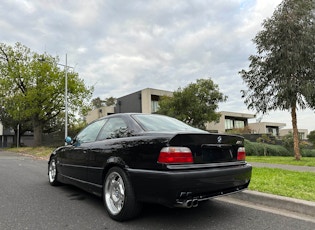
x=217 y=153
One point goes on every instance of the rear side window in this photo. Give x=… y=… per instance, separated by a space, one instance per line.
x=114 y=128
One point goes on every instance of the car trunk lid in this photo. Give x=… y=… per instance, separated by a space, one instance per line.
x=210 y=148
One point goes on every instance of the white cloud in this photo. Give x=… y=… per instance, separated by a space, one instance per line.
x=24 y=5
x=123 y=46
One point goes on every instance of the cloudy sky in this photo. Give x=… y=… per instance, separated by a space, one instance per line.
x=120 y=46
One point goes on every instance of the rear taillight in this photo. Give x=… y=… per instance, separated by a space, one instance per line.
x=174 y=155
x=241 y=154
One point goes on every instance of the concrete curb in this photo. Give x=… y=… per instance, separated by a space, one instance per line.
x=279 y=202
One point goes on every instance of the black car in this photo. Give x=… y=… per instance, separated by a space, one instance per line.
x=129 y=159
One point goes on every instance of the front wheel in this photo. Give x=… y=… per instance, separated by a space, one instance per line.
x=52 y=172
x=118 y=195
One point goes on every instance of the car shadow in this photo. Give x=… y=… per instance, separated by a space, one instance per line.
x=158 y=214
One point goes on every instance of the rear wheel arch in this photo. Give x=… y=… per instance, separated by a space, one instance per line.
x=113 y=162
x=118 y=194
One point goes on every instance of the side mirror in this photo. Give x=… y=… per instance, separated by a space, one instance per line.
x=68 y=140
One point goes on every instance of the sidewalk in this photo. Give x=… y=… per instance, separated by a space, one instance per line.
x=281 y=166
x=278 y=202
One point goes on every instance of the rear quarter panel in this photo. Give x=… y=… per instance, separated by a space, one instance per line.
x=138 y=152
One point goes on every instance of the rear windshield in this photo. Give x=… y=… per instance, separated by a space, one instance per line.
x=153 y=122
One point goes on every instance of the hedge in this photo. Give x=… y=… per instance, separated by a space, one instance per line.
x=257 y=149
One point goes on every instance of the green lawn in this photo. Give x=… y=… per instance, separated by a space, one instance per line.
x=305 y=161
x=300 y=185
x=42 y=152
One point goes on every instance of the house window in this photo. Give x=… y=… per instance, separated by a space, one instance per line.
x=229 y=124
x=154 y=106
x=239 y=124
x=232 y=123
x=272 y=130
x=302 y=136
x=154 y=103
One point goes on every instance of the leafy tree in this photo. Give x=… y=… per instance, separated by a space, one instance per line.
x=76 y=127
x=265 y=139
x=311 y=137
x=288 y=141
x=194 y=104
x=32 y=89
x=110 y=101
x=97 y=103
x=281 y=74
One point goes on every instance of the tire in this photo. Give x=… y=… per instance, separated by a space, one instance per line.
x=118 y=196
x=52 y=172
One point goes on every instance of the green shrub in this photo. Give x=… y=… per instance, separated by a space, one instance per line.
x=308 y=152
x=260 y=149
x=277 y=150
x=253 y=148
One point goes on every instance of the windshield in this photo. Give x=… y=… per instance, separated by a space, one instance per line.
x=153 y=122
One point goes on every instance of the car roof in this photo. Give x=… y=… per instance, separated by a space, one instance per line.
x=129 y=114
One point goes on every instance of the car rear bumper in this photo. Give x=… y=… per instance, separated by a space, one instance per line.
x=174 y=187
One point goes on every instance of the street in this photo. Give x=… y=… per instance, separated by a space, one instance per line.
x=27 y=201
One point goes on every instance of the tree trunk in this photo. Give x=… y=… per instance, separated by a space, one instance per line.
x=15 y=139
x=296 y=146
x=17 y=136
x=38 y=129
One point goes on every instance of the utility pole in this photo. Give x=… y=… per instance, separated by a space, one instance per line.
x=66 y=100
x=66 y=93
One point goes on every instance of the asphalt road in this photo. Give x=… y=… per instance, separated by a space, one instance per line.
x=27 y=201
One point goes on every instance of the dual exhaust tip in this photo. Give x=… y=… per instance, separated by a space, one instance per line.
x=189 y=203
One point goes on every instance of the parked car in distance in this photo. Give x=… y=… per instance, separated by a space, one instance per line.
x=131 y=159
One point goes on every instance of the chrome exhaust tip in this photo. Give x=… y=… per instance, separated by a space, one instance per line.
x=195 y=203
x=188 y=203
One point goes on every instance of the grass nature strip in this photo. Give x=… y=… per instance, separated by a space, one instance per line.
x=305 y=161
x=300 y=185
x=38 y=152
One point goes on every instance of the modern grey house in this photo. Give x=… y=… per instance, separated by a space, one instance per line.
x=229 y=121
x=143 y=101
x=99 y=112
x=232 y=120
x=302 y=133
x=267 y=127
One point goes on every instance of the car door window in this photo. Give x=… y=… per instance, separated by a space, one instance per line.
x=90 y=133
x=114 y=128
